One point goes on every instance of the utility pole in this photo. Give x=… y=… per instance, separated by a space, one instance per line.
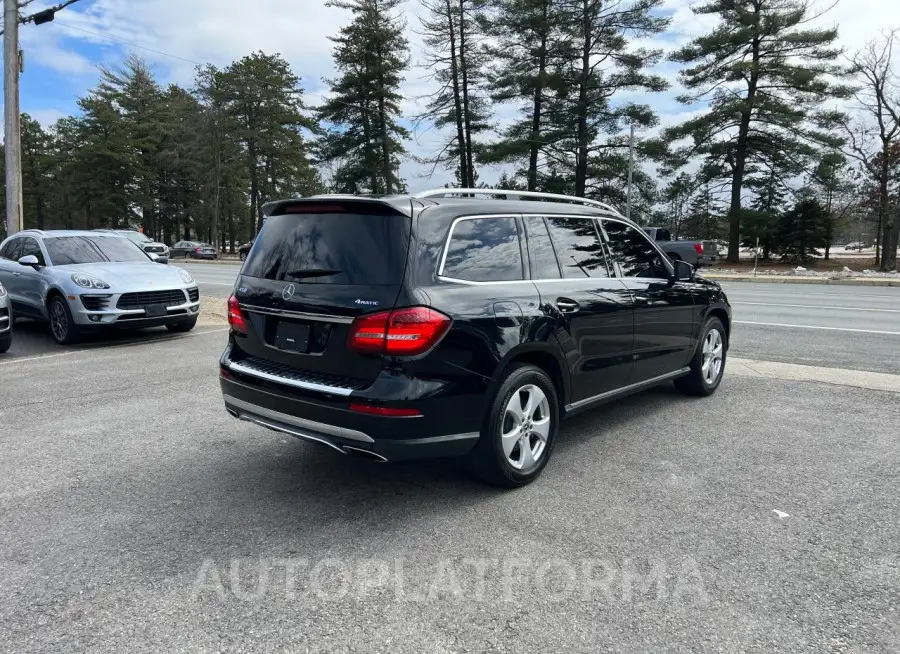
x=12 y=136
x=630 y=170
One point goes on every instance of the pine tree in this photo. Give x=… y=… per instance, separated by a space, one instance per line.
x=363 y=111
x=802 y=230
x=599 y=62
x=765 y=75
x=704 y=214
x=456 y=60
x=264 y=99
x=528 y=40
x=36 y=170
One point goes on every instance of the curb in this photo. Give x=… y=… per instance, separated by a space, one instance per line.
x=773 y=279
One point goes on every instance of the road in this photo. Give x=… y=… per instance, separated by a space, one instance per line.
x=825 y=325
x=136 y=515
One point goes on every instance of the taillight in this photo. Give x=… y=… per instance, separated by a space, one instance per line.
x=698 y=248
x=385 y=411
x=198 y=249
x=408 y=331
x=236 y=318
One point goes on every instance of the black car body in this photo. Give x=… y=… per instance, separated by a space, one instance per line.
x=391 y=327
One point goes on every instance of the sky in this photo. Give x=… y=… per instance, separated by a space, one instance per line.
x=62 y=57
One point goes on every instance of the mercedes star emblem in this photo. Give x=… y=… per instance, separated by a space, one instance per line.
x=288 y=292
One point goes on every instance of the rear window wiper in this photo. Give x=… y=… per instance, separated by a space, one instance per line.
x=312 y=272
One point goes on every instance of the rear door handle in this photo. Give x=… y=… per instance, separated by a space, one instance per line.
x=17 y=274
x=565 y=305
x=641 y=299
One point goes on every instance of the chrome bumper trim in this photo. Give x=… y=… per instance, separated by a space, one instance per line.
x=294 y=421
x=309 y=386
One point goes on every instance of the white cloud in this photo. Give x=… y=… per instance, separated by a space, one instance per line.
x=220 y=31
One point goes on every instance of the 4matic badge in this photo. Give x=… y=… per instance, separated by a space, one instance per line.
x=368 y=303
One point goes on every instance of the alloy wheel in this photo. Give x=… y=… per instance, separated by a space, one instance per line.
x=713 y=355
x=526 y=427
x=59 y=321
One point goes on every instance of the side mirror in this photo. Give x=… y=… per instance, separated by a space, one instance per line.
x=29 y=260
x=683 y=271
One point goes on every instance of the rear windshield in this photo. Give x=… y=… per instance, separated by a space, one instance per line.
x=331 y=248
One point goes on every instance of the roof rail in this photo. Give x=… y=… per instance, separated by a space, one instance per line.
x=538 y=195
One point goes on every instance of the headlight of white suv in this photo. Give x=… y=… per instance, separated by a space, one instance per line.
x=86 y=281
x=186 y=276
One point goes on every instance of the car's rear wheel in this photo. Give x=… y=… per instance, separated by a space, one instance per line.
x=519 y=431
x=708 y=364
x=181 y=327
x=62 y=326
x=242 y=255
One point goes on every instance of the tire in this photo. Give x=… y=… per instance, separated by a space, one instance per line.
x=188 y=255
x=243 y=256
x=181 y=327
x=5 y=341
x=514 y=462
x=701 y=381
x=62 y=326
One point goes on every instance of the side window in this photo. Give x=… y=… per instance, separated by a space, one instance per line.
x=484 y=250
x=634 y=253
x=543 y=259
x=30 y=246
x=578 y=247
x=10 y=249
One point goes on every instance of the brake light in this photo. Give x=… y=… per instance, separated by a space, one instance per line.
x=385 y=411
x=236 y=318
x=698 y=248
x=407 y=331
x=198 y=249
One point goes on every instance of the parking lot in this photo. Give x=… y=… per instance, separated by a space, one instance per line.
x=136 y=515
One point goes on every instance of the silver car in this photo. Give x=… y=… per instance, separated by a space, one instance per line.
x=5 y=321
x=84 y=280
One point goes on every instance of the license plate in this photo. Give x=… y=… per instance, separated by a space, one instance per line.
x=155 y=310
x=292 y=336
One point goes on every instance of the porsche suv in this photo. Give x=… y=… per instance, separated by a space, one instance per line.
x=434 y=325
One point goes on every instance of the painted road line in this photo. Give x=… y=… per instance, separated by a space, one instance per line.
x=877 y=381
x=115 y=346
x=834 y=329
x=813 y=306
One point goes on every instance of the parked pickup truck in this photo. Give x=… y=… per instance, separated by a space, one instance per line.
x=696 y=253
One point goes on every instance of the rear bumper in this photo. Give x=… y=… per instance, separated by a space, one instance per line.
x=707 y=260
x=327 y=420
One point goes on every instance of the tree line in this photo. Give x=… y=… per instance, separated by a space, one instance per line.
x=780 y=118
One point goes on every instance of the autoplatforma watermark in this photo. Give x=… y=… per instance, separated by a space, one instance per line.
x=464 y=579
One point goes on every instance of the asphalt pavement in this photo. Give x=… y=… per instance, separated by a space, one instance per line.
x=824 y=325
x=136 y=515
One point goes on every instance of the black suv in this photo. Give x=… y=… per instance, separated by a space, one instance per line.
x=404 y=327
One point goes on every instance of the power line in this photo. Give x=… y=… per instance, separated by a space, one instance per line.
x=129 y=43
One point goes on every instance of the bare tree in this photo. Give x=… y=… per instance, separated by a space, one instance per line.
x=873 y=132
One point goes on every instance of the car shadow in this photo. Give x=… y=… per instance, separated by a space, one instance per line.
x=33 y=338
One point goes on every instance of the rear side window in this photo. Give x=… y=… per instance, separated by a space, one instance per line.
x=484 y=250
x=334 y=246
x=578 y=247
